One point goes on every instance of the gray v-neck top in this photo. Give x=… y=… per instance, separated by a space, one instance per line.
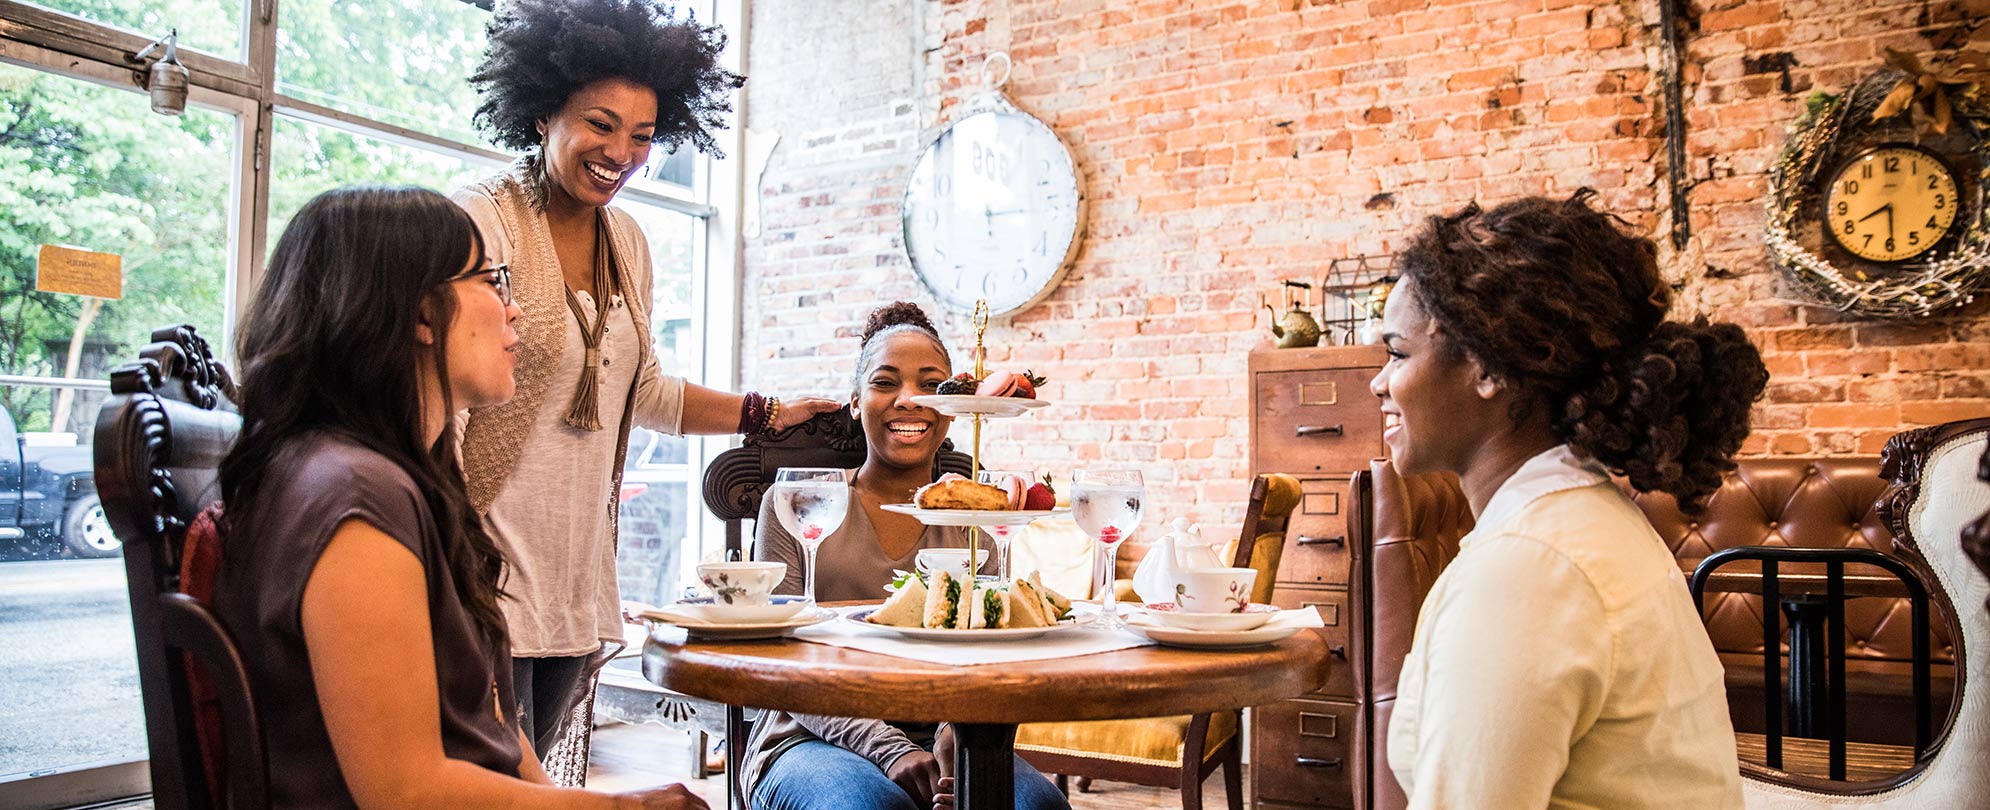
x=315 y=482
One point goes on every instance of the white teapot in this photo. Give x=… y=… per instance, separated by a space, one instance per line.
x=1179 y=547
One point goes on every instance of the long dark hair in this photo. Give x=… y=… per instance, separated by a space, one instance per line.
x=1552 y=297
x=329 y=345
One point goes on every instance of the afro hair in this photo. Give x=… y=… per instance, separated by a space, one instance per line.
x=542 y=51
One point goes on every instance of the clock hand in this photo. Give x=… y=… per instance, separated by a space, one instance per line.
x=1887 y=208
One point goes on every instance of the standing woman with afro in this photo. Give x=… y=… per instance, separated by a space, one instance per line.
x=1559 y=662
x=583 y=89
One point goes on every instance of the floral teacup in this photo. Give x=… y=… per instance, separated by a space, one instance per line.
x=742 y=583
x=1213 y=590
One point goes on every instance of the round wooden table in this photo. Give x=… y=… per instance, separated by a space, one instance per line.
x=986 y=702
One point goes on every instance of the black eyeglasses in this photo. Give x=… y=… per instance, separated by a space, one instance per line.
x=503 y=272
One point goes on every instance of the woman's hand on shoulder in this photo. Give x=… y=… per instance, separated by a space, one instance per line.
x=668 y=797
x=801 y=409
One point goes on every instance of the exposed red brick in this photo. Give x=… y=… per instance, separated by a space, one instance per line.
x=1228 y=146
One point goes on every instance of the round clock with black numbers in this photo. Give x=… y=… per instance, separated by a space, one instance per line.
x=1891 y=203
x=993 y=210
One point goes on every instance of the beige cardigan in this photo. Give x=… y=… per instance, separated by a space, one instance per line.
x=493 y=436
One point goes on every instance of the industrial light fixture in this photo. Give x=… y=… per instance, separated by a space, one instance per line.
x=166 y=79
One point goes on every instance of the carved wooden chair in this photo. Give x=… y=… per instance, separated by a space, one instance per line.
x=160 y=438
x=1935 y=492
x=737 y=479
x=1181 y=751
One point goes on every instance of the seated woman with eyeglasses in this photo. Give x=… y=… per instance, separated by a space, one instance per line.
x=359 y=582
x=1558 y=661
x=832 y=763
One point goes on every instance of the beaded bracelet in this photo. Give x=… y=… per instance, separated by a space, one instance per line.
x=752 y=413
x=773 y=414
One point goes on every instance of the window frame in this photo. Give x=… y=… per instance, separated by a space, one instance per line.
x=59 y=43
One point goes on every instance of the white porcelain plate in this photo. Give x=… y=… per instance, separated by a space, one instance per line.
x=1211 y=639
x=969 y=405
x=734 y=631
x=709 y=611
x=983 y=634
x=1251 y=617
x=973 y=517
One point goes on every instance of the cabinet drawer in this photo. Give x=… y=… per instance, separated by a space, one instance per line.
x=1308 y=752
x=1316 y=536
x=1343 y=677
x=1314 y=421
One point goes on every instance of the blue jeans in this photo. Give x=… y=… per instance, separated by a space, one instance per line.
x=818 y=776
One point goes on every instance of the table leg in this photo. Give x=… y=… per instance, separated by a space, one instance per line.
x=736 y=731
x=984 y=766
x=1807 y=665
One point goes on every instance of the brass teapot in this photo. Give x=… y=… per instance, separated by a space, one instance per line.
x=1296 y=328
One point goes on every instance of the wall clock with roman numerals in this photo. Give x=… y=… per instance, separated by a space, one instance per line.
x=994 y=209
x=1892 y=203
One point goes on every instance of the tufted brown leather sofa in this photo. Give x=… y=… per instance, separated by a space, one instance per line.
x=1808 y=503
x=1811 y=503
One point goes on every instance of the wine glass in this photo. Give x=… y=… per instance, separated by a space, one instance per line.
x=1107 y=505
x=1004 y=480
x=811 y=503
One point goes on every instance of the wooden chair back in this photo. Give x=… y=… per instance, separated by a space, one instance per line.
x=159 y=441
x=1272 y=499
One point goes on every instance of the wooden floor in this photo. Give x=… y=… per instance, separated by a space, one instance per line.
x=1864 y=762
x=628 y=757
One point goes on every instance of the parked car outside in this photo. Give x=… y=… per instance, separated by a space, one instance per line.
x=48 y=492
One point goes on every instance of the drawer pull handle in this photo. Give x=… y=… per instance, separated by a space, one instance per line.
x=1338 y=651
x=1319 y=430
x=1316 y=762
x=1309 y=540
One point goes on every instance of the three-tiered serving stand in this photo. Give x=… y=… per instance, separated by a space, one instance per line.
x=975 y=409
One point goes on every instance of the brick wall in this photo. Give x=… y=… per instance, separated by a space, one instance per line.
x=1230 y=145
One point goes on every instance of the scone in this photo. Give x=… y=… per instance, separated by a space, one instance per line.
x=960 y=493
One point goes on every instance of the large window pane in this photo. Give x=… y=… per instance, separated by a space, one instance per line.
x=92 y=167
x=309 y=158
x=405 y=62
x=214 y=26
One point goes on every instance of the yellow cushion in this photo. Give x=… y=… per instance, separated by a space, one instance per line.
x=1146 y=741
x=1282 y=495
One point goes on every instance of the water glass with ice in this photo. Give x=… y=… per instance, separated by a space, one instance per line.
x=810 y=502
x=1107 y=503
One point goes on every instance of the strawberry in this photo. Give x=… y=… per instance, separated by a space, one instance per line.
x=1040 y=496
x=1027 y=383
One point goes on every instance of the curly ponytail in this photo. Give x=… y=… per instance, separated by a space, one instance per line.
x=1673 y=418
x=1662 y=402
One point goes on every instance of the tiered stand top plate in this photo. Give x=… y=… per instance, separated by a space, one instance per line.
x=973 y=517
x=968 y=405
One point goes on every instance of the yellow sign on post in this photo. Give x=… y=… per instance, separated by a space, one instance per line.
x=76 y=271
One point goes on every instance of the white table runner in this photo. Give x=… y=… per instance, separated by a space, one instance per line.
x=842 y=632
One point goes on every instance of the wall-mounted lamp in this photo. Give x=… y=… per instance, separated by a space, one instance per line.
x=166 y=79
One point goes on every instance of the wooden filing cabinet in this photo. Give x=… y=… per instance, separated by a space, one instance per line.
x=1312 y=417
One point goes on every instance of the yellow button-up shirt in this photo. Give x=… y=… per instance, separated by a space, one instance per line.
x=1559 y=662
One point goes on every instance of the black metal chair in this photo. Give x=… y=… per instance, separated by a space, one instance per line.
x=160 y=438
x=737 y=479
x=1808 y=635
